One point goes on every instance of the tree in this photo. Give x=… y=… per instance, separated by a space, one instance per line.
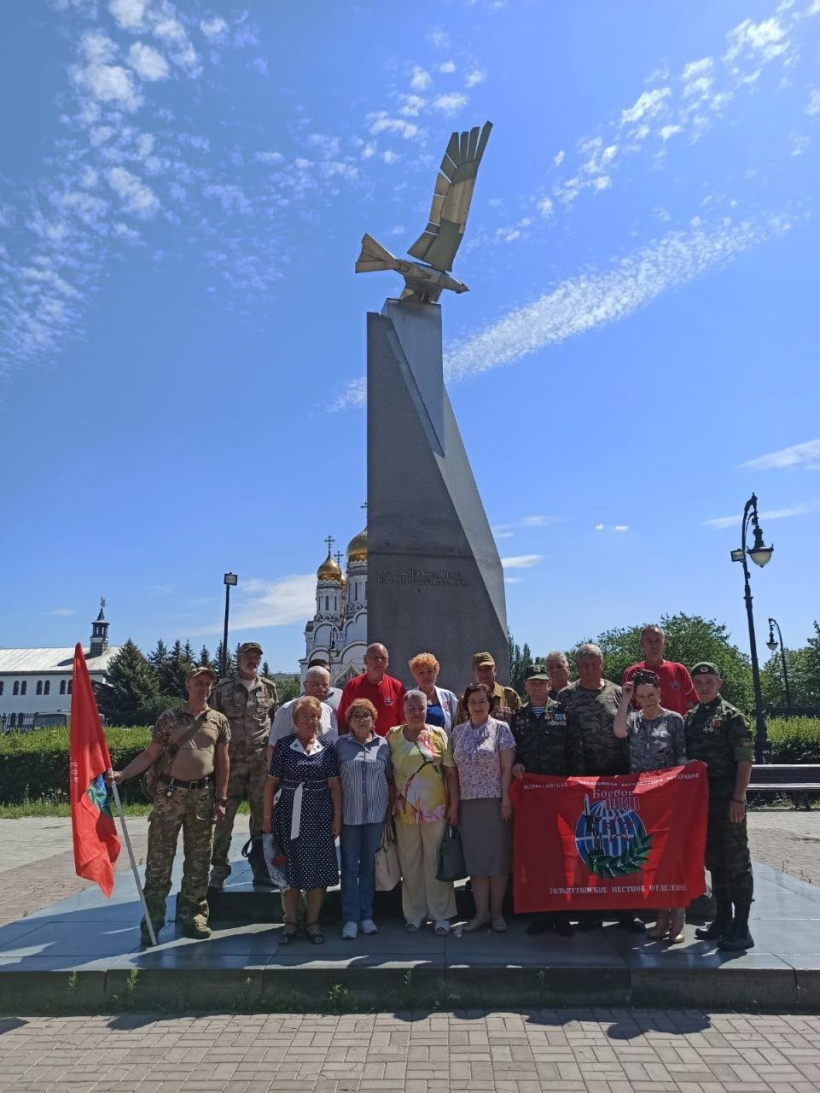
x=173 y=672
x=265 y=669
x=131 y=694
x=188 y=652
x=288 y=688
x=230 y=666
x=520 y=662
x=689 y=638
x=205 y=658
x=159 y=655
x=803 y=666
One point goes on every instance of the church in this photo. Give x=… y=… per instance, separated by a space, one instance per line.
x=337 y=632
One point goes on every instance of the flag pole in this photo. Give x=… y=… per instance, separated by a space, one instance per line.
x=127 y=838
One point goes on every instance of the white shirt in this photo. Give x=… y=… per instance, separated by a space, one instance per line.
x=283 y=723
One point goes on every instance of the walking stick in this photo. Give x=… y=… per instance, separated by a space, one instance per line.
x=127 y=838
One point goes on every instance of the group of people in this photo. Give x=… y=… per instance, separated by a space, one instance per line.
x=346 y=764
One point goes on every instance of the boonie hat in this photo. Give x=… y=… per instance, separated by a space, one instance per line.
x=198 y=670
x=480 y=659
x=705 y=668
x=250 y=647
x=537 y=671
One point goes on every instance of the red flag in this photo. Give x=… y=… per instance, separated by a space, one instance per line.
x=96 y=846
x=629 y=841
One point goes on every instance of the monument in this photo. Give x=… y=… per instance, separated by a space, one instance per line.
x=435 y=581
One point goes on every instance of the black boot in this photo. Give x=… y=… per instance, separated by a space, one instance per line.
x=562 y=924
x=738 y=939
x=721 y=925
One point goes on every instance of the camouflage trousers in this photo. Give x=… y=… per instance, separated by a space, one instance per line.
x=191 y=810
x=727 y=854
x=248 y=775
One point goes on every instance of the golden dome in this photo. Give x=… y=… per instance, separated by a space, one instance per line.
x=357 y=547
x=329 y=570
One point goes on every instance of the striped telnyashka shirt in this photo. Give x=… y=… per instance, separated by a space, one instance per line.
x=365 y=770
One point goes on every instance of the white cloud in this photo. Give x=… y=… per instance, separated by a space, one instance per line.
x=389 y=157
x=269 y=157
x=600 y=527
x=719 y=523
x=97 y=48
x=545 y=206
x=134 y=194
x=325 y=145
x=669 y=131
x=420 y=79
x=558 y=158
x=61 y=612
x=622 y=527
x=512 y=580
x=696 y=69
x=594 y=299
x=439 y=39
x=813 y=105
x=646 y=106
x=522 y=561
x=381 y=122
x=147 y=62
x=274 y=603
x=805 y=456
x=231 y=198
x=540 y=521
x=108 y=83
x=213 y=28
x=170 y=29
x=446 y=67
x=765 y=40
x=451 y=103
x=129 y=14
x=475 y=77
x=412 y=105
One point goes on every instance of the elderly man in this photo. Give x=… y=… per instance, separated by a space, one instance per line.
x=249 y=702
x=591 y=704
x=545 y=744
x=557 y=667
x=385 y=692
x=190 y=745
x=719 y=735
x=334 y=694
x=677 y=691
x=505 y=700
x=317 y=685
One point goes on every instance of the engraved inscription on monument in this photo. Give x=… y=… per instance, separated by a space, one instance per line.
x=448 y=577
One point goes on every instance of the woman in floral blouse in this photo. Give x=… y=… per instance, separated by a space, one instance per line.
x=484 y=751
x=426 y=794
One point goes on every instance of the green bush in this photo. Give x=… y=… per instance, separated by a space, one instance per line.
x=796 y=740
x=34 y=765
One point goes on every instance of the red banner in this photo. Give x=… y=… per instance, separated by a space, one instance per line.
x=96 y=846
x=629 y=841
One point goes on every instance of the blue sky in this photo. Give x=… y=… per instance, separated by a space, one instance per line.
x=184 y=188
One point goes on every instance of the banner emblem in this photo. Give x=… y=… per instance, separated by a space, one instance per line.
x=611 y=842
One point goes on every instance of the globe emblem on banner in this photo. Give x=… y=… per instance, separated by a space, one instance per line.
x=611 y=841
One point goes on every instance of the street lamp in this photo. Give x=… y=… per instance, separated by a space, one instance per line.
x=761 y=555
x=230 y=580
x=772 y=644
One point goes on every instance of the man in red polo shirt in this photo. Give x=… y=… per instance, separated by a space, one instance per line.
x=385 y=692
x=677 y=690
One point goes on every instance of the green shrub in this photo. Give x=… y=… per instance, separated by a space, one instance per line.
x=796 y=740
x=34 y=765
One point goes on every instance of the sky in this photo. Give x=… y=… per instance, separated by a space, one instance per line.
x=183 y=190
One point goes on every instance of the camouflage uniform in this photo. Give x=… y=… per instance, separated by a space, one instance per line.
x=501 y=696
x=719 y=735
x=547 y=744
x=191 y=810
x=249 y=711
x=592 y=713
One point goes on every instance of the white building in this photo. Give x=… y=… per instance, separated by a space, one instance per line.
x=39 y=680
x=338 y=631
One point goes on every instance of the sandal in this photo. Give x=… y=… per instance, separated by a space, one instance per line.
x=314 y=933
x=291 y=929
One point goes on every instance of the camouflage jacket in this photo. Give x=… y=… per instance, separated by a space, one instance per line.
x=719 y=735
x=592 y=714
x=249 y=710
x=547 y=744
x=501 y=696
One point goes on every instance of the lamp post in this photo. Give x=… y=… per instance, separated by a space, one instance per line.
x=772 y=644
x=761 y=555
x=332 y=651
x=230 y=580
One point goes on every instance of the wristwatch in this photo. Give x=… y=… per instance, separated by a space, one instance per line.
x=221 y=800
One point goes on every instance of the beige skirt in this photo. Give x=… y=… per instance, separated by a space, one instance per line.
x=486 y=839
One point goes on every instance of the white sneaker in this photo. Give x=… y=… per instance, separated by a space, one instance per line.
x=349 y=931
x=368 y=926
x=412 y=926
x=442 y=927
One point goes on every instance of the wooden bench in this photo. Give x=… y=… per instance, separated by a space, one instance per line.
x=802 y=780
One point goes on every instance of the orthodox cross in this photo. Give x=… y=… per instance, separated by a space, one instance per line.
x=330 y=541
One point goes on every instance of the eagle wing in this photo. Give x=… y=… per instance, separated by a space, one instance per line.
x=438 y=243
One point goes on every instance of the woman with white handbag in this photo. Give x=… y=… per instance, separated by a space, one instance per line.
x=365 y=768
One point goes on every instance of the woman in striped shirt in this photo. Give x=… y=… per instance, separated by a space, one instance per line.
x=365 y=769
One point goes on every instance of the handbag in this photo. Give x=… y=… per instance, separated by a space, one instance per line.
x=388 y=868
x=450 y=864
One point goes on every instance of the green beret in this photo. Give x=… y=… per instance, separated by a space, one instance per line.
x=705 y=668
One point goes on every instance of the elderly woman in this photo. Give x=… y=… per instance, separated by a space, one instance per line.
x=426 y=794
x=484 y=751
x=365 y=769
x=657 y=739
x=308 y=815
x=441 y=704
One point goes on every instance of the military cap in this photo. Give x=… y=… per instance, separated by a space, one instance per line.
x=480 y=659
x=198 y=670
x=250 y=647
x=537 y=671
x=705 y=668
